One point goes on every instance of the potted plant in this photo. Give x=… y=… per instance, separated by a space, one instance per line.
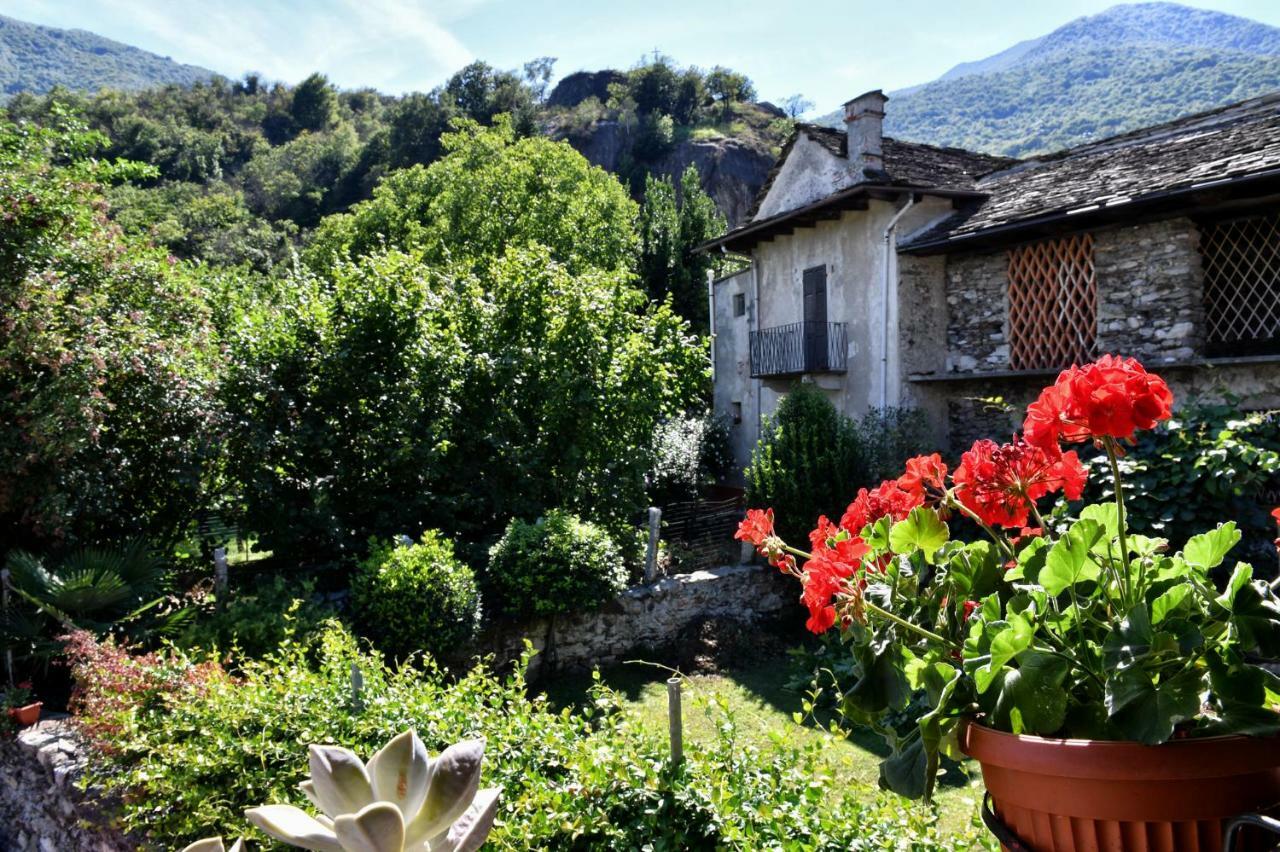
x=22 y=711
x=1106 y=685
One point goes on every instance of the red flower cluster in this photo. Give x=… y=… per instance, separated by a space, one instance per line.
x=1000 y=483
x=835 y=559
x=757 y=528
x=886 y=500
x=1111 y=397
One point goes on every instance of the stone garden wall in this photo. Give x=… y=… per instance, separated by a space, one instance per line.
x=40 y=808
x=647 y=620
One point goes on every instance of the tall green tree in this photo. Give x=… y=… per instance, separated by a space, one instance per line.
x=673 y=221
x=490 y=192
x=315 y=104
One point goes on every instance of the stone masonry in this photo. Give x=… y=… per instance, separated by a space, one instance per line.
x=41 y=810
x=647 y=619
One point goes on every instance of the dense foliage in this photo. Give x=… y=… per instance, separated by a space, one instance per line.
x=557 y=564
x=417 y=597
x=1210 y=461
x=810 y=455
x=674 y=220
x=192 y=748
x=689 y=454
x=1072 y=626
x=108 y=369
x=254 y=617
x=547 y=192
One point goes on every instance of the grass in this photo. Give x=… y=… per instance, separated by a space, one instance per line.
x=766 y=712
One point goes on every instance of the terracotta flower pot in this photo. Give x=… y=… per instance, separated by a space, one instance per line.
x=26 y=716
x=1093 y=796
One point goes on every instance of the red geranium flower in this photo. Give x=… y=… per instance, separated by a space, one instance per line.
x=969 y=608
x=925 y=479
x=1000 y=483
x=1111 y=397
x=756 y=526
x=888 y=499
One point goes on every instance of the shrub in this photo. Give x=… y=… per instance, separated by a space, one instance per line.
x=890 y=436
x=555 y=565
x=807 y=462
x=1207 y=462
x=254 y=621
x=191 y=761
x=417 y=597
x=688 y=453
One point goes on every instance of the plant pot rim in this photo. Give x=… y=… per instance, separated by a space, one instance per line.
x=1189 y=758
x=20 y=708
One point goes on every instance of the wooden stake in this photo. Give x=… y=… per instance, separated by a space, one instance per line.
x=675 y=720
x=651 y=553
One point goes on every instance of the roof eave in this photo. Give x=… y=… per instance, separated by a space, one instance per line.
x=1165 y=203
x=746 y=237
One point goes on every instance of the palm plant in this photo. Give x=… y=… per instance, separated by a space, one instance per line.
x=100 y=589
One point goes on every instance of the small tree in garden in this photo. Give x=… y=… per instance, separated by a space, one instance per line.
x=806 y=459
x=1070 y=624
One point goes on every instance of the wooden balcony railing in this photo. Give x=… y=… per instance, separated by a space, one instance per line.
x=798 y=348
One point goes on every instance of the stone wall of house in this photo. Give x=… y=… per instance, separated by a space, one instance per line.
x=1150 y=291
x=647 y=619
x=40 y=808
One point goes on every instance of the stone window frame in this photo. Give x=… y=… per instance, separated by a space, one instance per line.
x=1051 y=302
x=1240 y=259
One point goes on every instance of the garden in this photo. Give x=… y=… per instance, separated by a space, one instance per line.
x=257 y=525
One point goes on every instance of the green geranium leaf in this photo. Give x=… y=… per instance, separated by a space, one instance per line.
x=1069 y=562
x=1240 y=578
x=922 y=530
x=1255 y=615
x=1106 y=515
x=1168 y=602
x=1131 y=642
x=905 y=771
x=1207 y=550
x=1037 y=701
x=1008 y=639
x=1145 y=712
x=882 y=681
x=1030 y=562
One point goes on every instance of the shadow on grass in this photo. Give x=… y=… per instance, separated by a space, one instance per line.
x=766 y=695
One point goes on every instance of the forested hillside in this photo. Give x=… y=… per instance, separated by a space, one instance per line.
x=244 y=170
x=35 y=59
x=1128 y=67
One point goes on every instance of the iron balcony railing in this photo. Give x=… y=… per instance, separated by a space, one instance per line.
x=798 y=348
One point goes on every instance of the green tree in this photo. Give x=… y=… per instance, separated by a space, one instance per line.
x=315 y=104
x=490 y=192
x=672 y=223
x=809 y=462
x=394 y=397
x=107 y=367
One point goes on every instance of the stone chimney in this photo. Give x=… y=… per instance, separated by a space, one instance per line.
x=864 y=125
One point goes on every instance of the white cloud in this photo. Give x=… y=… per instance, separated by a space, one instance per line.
x=392 y=45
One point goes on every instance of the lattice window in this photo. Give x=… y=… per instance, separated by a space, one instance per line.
x=1242 y=284
x=1053 y=303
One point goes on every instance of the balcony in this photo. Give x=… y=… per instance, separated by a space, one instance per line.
x=799 y=348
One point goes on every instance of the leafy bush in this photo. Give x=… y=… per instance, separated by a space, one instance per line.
x=808 y=461
x=107 y=365
x=890 y=436
x=416 y=597
x=555 y=565
x=253 y=622
x=688 y=453
x=1210 y=461
x=191 y=758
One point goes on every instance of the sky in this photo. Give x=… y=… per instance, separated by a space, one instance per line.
x=827 y=50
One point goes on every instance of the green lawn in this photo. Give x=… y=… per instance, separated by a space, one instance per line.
x=765 y=710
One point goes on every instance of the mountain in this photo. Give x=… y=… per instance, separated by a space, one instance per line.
x=1127 y=67
x=35 y=59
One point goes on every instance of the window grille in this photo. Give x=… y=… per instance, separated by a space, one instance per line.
x=1053 y=303
x=1241 y=285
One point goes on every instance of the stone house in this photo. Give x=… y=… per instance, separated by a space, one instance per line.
x=893 y=273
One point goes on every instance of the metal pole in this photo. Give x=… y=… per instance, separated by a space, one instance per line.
x=675 y=720
x=651 y=552
x=357 y=688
